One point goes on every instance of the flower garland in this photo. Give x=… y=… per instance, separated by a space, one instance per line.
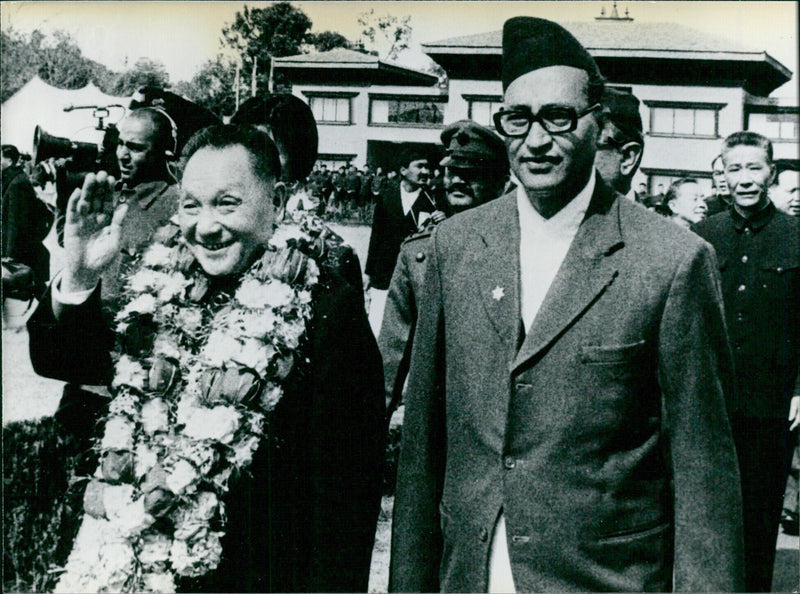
x=193 y=387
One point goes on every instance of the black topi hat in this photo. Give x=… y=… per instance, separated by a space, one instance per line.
x=291 y=125
x=531 y=43
x=622 y=109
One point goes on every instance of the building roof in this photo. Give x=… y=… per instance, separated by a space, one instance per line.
x=636 y=41
x=351 y=64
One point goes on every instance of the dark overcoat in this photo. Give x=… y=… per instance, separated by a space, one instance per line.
x=390 y=226
x=602 y=434
x=304 y=521
x=400 y=315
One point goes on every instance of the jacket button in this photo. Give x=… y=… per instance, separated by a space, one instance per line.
x=744 y=259
x=420 y=257
x=742 y=288
x=780 y=269
x=484 y=535
x=509 y=462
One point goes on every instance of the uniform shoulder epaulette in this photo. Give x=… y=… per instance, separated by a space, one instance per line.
x=418 y=235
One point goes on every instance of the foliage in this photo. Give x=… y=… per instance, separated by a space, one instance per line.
x=57 y=60
x=41 y=504
x=328 y=40
x=387 y=34
x=213 y=86
x=258 y=34
x=145 y=72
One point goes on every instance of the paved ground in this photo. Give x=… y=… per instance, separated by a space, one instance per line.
x=26 y=395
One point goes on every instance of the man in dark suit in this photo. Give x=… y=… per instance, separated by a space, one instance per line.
x=26 y=219
x=402 y=209
x=759 y=257
x=565 y=424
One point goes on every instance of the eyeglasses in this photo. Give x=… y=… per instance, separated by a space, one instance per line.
x=554 y=119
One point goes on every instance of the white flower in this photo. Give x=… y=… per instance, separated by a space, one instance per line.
x=180 y=476
x=146 y=280
x=283 y=234
x=154 y=416
x=187 y=406
x=173 y=286
x=198 y=558
x=253 y=293
x=201 y=454
x=144 y=459
x=255 y=354
x=260 y=324
x=155 y=549
x=193 y=520
x=143 y=304
x=312 y=273
x=289 y=333
x=304 y=297
x=270 y=396
x=279 y=294
x=243 y=451
x=220 y=348
x=129 y=517
x=129 y=372
x=189 y=319
x=157 y=255
x=118 y=434
x=166 y=345
x=218 y=423
x=162 y=582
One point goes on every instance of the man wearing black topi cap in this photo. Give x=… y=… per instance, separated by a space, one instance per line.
x=619 y=150
x=565 y=425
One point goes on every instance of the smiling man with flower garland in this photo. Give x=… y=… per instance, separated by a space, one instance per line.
x=256 y=435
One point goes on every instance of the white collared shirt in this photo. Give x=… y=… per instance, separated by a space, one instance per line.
x=408 y=198
x=543 y=245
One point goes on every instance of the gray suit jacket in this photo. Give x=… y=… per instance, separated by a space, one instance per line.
x=602 y=435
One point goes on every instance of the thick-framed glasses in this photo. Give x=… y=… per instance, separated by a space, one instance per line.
x=554 y=119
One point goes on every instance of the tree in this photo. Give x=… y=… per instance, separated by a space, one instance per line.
x=144 y=72
x=213 y=86
x=328 y=40
x=259 y=34
x=57 y=60
x=387 y=34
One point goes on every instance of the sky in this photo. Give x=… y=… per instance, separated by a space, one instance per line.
x=184 y=34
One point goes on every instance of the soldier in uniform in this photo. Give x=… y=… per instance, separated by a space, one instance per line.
x=475 y=171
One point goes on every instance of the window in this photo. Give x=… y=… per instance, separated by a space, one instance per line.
x=426 y=111
x=684 y=119
x=334 y=161
x=481 y=109
x=776 y=126
x=331 y=109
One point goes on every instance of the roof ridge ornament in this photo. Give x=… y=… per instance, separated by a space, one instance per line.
x=614 y=16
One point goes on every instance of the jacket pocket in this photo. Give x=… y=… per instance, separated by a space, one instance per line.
x=611 y=354
x=635 y=533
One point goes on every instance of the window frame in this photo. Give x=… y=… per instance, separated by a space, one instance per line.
x=471 y=99
x=442 y=100
x=779 y=111
x=684 y=105
x=332 y=95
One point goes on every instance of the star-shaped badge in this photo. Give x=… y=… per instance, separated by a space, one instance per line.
x=498 y=293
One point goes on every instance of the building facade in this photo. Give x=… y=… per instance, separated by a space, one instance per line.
x=694 y=90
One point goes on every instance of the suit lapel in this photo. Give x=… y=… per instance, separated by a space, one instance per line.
x=585 y=273
x=495 y=266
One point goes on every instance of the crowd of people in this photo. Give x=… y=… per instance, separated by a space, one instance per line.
x=600 y=386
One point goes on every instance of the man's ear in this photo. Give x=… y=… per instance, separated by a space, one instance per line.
x=631 y=157
x=280 y=195
x=773 y=175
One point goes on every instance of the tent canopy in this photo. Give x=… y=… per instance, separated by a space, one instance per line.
x=38 y=103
